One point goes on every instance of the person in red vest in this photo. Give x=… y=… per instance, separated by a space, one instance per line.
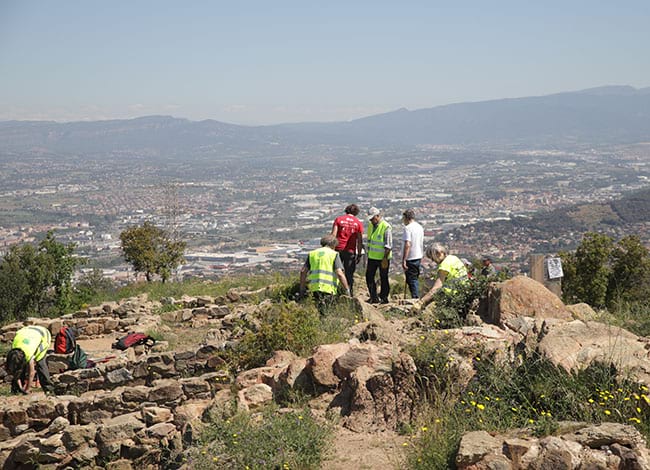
x=349 y=231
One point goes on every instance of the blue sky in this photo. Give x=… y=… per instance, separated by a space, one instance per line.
x=261 y=62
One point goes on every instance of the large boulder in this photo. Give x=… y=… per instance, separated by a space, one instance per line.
x=521 y=296
x=375 y=358
x=476 y=446
x=374 y=400
x=254 y=396
x=575 y=345
x=321 y=364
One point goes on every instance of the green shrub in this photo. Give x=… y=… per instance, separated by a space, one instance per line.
x=634 y=316
x=291 y=326
x=436 y=371
x=529 y=392
x=272 y=440
x=451 y=308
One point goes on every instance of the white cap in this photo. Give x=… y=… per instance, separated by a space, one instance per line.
x=373 y=211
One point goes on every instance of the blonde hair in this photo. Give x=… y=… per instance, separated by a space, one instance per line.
x=435 y=248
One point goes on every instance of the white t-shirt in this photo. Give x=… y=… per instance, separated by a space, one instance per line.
x=414 y=233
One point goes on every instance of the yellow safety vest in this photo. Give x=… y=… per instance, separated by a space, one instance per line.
x=376 y=248
x=456 y=272
x=322 y=277
x=34 y=341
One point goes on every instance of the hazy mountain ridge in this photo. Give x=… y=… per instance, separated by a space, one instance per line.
x=611 y=114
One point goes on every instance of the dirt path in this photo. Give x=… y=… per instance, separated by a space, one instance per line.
x=376 y=451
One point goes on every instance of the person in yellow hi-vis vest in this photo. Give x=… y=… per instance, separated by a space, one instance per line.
x=27 y=359
x=451 y=271
x=380 y=252
x=323 y=269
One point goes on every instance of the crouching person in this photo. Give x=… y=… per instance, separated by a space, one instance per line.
x=451 y=272
x=324 y=271
x=27 y=359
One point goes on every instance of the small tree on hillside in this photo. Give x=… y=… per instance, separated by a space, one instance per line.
x=150 y=250
x=36 y=279
x=90 y=284
x=587 y=272
x=61 y=266
x=630 y=271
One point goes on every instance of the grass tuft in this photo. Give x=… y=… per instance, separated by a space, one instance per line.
x=271 y=439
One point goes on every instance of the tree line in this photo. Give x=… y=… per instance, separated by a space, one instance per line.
x=603 y=272
x=36 y=279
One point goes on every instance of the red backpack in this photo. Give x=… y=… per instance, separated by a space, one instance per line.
x=64 y=341
x=133 y=339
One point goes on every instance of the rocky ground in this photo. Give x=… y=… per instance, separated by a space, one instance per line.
x=143 y=407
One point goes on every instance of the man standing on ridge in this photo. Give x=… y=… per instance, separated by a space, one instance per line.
x=26 y=360
x=324 y=270
x=349 y=231
x=412 y=253
x=380 y=245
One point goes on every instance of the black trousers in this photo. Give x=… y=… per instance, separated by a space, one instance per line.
x=371 y=271
x=324 y=302
x=349 y=261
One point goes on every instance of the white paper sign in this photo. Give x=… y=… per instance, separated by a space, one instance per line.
x=554 y=268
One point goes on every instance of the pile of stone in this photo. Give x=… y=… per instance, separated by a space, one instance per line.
x=145 y=406
x=135 y=314
x=144 y=424
x=144 y=369
x=604 y=446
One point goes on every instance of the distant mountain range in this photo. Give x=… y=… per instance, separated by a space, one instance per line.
x=612 y=114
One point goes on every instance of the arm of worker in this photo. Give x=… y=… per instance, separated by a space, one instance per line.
x=344 y=282
x=303 y=278
x=340 y=273
x=405 y=253
x=426 y=300
x=30 y=376
x=388 y=247
x=359 y=246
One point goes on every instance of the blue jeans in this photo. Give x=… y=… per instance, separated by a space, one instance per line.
x=412 y=274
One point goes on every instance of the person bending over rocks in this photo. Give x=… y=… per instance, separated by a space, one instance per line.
x=27 y=359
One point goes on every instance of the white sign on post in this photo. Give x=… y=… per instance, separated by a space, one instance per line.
x=554 y=268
